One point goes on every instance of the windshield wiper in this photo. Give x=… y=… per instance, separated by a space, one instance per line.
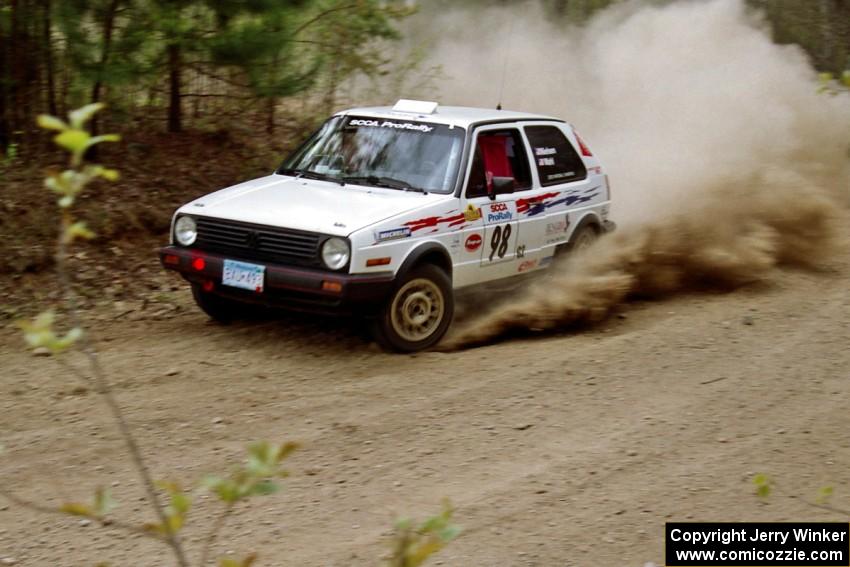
x=307 y=174
x=388 y=182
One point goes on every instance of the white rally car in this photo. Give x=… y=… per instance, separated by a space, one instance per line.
x=388 y=212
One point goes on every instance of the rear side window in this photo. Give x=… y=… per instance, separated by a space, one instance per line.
x=556 y=159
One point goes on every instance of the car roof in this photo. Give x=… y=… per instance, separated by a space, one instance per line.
x=453 y=115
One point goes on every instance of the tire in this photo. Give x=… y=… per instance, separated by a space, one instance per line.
x=218 y=308
x=418 y=312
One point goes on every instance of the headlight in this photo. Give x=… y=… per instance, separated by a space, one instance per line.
x=185 y=231
x=335 y=253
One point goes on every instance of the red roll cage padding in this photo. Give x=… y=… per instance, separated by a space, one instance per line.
x=494 y=153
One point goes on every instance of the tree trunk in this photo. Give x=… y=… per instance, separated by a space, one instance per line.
x=24 y=69
x=175 y=115
x=48 y=59
x=271 y=103
x=5 y=78
x=108 y=29
x=16 y=77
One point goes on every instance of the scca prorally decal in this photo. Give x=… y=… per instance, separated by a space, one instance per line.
x=435 y=222
x=498 y=212
x=389 y=124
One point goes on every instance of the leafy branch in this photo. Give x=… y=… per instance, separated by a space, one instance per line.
x=264 y=461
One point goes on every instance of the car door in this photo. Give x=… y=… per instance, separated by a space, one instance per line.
x=492 y=247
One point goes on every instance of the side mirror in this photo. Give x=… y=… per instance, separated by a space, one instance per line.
x=501 y=186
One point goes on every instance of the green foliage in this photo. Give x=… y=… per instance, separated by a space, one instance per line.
x=73 y=138
x=100 y=507
x=39 y=333
x=254 y=478
x=832 y=85
x=11 y=155
x=246 y=562
x=414 y=545
x=137 y=54
x=824 y=494
x=763 y=485
x=175 y=512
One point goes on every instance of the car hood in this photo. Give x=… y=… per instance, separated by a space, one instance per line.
x=314 y=206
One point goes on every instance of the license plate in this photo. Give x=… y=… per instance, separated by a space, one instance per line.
x=243 y=275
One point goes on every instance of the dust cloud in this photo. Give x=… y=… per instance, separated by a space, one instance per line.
x=724 y=160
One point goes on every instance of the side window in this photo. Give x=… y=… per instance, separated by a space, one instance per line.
x=556 y=159
x=498 y=153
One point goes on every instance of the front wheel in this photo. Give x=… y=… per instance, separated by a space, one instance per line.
x=419 y=311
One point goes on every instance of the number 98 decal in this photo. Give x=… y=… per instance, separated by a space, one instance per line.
x=500 y=243
x=500 y=232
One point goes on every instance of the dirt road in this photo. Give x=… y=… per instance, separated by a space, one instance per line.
x=568 y=449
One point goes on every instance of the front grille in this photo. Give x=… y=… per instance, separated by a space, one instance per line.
x=259 y=242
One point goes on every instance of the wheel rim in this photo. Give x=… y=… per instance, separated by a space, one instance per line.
x=585 y=239
x=417 y=310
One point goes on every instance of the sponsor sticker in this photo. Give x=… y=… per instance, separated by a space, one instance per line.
x=393 y=234
x=472 y=213
x=390 y=124
x=499 y=212
x=545 y=151
x=473 y=242
x=561 y=175
x=558 y=227
x=527 y=265
x=544 y=161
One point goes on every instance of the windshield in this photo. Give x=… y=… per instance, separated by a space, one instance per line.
x=392 y=153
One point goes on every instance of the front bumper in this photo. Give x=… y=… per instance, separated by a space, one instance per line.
x=289 y=287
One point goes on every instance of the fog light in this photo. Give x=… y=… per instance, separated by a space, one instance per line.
x=199 y=264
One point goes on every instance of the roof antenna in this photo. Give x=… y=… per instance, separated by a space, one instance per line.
x=505 y=63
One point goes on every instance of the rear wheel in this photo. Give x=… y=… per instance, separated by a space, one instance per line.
x=583 y=238
x=419 y=311
x=218 y=308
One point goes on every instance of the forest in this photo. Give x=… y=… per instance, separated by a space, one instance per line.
x=171 y=65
